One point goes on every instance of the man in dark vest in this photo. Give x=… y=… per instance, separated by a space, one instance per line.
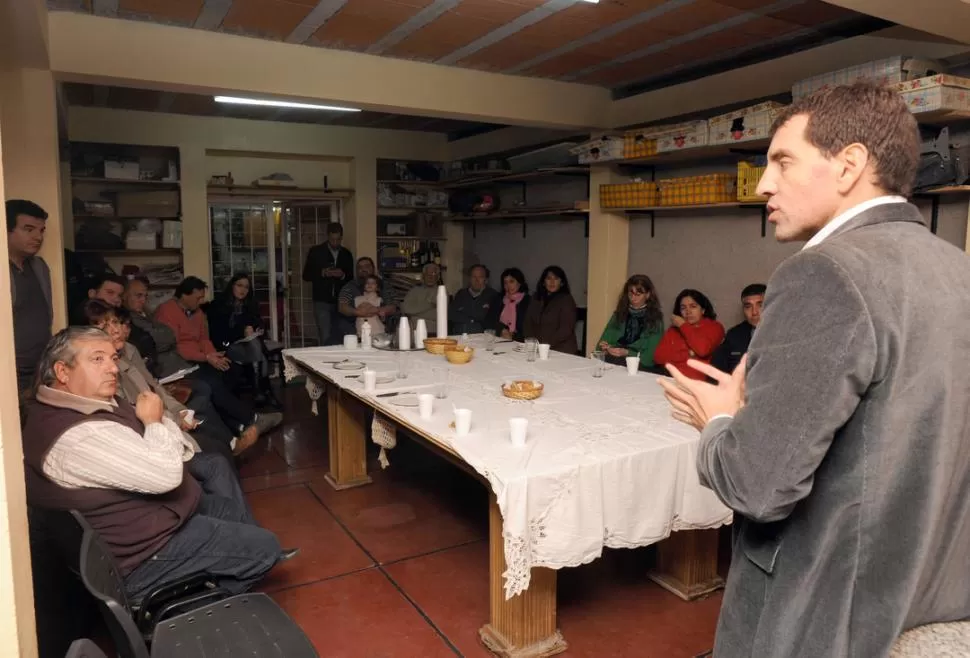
x=122 y=467
x=728 y=354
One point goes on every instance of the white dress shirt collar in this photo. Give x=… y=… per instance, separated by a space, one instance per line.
x=849 y=214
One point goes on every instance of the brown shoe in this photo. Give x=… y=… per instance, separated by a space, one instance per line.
x=246 y=440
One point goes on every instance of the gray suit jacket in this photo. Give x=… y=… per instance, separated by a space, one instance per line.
x=849 y=465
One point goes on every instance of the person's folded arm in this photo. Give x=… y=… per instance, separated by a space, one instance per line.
x=703 y=340
x=671 y=348
x=109 y=455
x=809 y=364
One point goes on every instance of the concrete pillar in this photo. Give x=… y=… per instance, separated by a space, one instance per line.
x=609 y=250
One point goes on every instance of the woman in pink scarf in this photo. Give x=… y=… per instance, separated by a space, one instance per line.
x=515 y=303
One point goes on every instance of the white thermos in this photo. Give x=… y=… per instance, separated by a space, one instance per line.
x=365 y=335
x=442 y=303
x=404 y=334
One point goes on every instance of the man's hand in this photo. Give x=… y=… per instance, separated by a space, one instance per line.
x=367 y=310
x=695 y=402
x=603 y=345
x=334 y=272
x=677 y=321
x=218 y=361
x=184 y=423
x=149 y=408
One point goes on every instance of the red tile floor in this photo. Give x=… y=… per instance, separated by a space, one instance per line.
x=400 y=567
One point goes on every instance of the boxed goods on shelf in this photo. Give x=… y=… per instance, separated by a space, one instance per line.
x=141 y=240
x=682 y=136
x=749 y=174
x=746 y=124
x=639 y=143
x=937 y=93
x=890 y=70
x=629 y=195
x=601 y=149
x=698 y=190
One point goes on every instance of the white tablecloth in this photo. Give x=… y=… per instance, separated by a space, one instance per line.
x=604 y=463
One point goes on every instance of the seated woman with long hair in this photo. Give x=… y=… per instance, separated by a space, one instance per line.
x=515 y=305
x=695 y=334
x=551 y=317
x=233 y=316
x=636 y=326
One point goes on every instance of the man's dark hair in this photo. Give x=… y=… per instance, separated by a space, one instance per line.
x=101 y=279
x=189 y=285
x=142 y=279
x=16 y=207
x=335 y=227
x=368 y=259
x=123 y=315
x=867 y=114
x=476 y=266
x=754 y=289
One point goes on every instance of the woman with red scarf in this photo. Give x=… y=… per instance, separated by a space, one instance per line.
x=515 y=304
x=695 y=334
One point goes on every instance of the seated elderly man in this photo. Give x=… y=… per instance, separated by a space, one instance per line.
x=477 y=307
x=123 y=468
x=208 y=432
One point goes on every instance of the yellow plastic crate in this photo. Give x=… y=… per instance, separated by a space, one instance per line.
x=698 y=190
x=748 y=177
x=629 y=195
x=638 y=145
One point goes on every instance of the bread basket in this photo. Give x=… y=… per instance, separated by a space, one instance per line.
x=522 y=389
x=459 y=354
x=438 y=345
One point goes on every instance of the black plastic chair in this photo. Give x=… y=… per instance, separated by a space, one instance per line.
x=243 y=625
x=84 y=648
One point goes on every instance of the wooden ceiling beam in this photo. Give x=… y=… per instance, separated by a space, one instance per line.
x=412 y=25
x=212 y=14
x=319 y=15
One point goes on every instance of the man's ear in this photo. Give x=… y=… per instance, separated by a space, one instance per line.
x=854 y=162
x=61 y=373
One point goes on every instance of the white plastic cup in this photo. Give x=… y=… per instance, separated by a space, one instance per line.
x=632 y=365
x=350 y=342
x=370 y=381
x=463 y=421
x=544 y=351
x=518 y=428
x=426 y=406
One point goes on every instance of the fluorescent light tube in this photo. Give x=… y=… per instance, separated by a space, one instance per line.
x=591 y=1
x=271 y=103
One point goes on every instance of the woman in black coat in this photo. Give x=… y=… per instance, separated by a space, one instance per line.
x=235 y=326
x=515 y=305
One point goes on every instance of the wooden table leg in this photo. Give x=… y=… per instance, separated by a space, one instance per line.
x=687 y=564
x=347 y=426
x=524 y=626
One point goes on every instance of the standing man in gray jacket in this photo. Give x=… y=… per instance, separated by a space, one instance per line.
x=845 y=449
x=30 y=288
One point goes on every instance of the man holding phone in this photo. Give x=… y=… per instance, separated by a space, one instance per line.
x=328 y=267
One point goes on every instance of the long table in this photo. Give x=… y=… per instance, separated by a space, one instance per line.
x=604 y=466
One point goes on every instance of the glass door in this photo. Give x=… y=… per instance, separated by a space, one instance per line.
x=241 y=235
x=303 y=225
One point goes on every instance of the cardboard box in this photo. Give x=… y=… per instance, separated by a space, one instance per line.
x=602 y=149
x=156 y=203
x=122 y=169
x=888 y=71
x=639 y=143
x=937 y=93
x=744 y=125
x=629 y=195
x=698 y=190
x=679 y=137
x=140 y=240
x=172 y=234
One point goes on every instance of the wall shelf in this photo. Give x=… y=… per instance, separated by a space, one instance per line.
x=701 y=206
x=123 y=219
x=552 y=212
x=396 y=238
x=123 y=253
x=518 y=177
x=411 y=183
x=381 y=209
x=701 y=153
x=94 y=180
x=280 y=193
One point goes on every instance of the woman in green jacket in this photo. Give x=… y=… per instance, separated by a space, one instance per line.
x=636 y=326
